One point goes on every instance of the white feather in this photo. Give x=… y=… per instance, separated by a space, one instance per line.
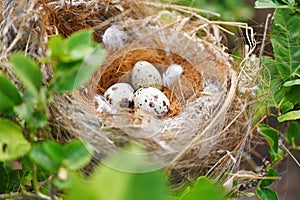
x=173 y=73
x=103 y=105
x=114 y=37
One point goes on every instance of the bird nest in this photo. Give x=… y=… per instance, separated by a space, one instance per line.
x=204 y=129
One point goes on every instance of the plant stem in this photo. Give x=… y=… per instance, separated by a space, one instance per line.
x=34 y=179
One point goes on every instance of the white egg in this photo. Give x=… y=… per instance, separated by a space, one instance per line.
x=144 y=74
x=119 y=94
x=151 y=100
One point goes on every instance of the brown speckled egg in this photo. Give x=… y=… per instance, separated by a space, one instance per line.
x=118 y=95
x=151 y=100
x=144 y=74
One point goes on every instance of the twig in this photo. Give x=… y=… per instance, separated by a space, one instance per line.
x=226 y=157
x=30 y=195
x=263 y=40
x=290 y=154
x=247 y=135
x=34 y=179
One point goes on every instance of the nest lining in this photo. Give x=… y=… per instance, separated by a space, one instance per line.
x=120 y=71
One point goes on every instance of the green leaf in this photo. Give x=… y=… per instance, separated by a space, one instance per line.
x=285 y=33
x=266 y=194
x=57 y=46
x=293 y=133
x=76 y=59
x=4 y=178
x=293 y=95
x=48 y=155
x=65 y=76
x=229 y=9
x=89 y=66
x=266 y=182
x=109 y=183
x=76 y=155
x=9 y=94
x=268 y=4
x=82 y=189
x=279 y=95
x=287 y=106
x=54 y=150
x=12 y=142
x=71 y=76
x=14 y=183
x=76 y=47
x=204 y=189
x=79 y=39
x=32 y=110
x=271 y=136
x=116 y=185
x=247 y=194
x=291 y=83
x=27 y=71
x=52 y=155
x=292 y=115
x=173 y=198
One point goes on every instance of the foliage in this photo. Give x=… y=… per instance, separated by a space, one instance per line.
x=266 y=194
x=24 y=115
x=271 y=135
x=232 y=10
x=205 y=189
x=13 y=145
x=282 y=73
x=109 y=183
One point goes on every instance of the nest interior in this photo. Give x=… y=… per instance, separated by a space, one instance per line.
x=202 y=104
x=120 y=71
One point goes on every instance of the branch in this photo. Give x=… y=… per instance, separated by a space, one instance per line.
x=24 y=194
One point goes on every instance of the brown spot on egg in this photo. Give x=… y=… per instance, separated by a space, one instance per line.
x=151 y=104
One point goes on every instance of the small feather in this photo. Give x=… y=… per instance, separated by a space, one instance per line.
x=114 y=37
x=103 y=105
x=173 y=73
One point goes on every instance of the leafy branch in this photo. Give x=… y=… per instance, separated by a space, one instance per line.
x=25 y=113
x=283 y=72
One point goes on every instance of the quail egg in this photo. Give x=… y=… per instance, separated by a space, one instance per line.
x=144 y=74
x=118 y=95
x=152 y=100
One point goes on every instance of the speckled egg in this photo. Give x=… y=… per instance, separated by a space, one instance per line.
x=119 y=94
x=151 y=100
x=144 y=74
